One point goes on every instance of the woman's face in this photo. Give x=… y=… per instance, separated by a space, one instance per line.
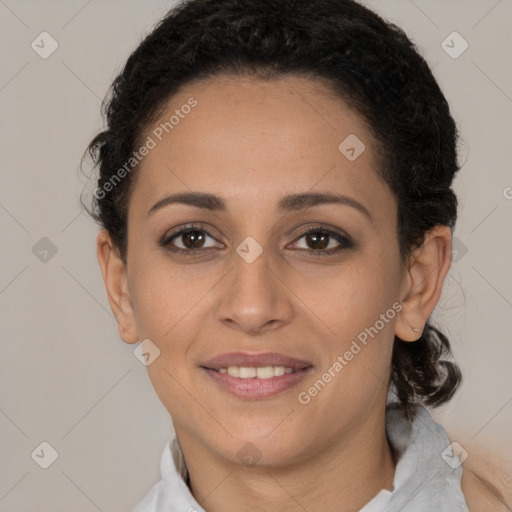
x=249 y=281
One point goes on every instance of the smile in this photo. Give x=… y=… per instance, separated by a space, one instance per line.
x=260 y=372
x=256 y=382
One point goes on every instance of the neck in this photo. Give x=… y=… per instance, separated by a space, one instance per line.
x=345 y=475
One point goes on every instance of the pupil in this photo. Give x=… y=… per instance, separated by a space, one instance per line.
x=314 y=238
x=192 y=239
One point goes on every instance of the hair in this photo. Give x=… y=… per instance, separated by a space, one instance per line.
x=369 y=63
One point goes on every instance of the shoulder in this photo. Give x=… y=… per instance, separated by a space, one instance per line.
x=487 y=472
x=486 y=490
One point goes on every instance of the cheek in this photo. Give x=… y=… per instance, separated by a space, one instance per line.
x=164 y=295
x=168 y=310
x=357 y=307
x=171 y=303
x=348 y=298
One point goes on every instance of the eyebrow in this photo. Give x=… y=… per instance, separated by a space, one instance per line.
x=287 y=203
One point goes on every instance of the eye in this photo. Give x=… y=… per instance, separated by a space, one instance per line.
x=321 y=240
x=192 y=238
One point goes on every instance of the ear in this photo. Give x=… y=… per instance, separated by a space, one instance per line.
x=423 y=282
x=116 y=284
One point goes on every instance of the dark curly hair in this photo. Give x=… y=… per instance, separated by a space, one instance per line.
x=368 y=62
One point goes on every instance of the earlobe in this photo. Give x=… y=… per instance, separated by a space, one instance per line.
x=423 y=282
x=115 y=278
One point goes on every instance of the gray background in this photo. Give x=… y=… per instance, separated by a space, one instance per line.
x=66 y=377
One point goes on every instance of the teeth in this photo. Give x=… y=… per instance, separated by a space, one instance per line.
x=234 y=371
x=249 y=372
x=279 y=370
x=246 y=373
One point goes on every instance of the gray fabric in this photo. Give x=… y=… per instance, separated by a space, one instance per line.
x=424 y=480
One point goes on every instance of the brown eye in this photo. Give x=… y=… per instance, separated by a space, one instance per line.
x=318 y=239
x=192 y=239
x=324 y=241
x=188 y=240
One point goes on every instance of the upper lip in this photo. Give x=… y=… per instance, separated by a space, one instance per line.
x=254 y=360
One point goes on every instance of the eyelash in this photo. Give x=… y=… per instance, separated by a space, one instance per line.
x=342 y=239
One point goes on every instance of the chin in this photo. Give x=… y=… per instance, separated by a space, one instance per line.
x=264 y=450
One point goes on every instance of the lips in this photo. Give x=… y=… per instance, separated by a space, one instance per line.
x=234 y=373
x=255 y=360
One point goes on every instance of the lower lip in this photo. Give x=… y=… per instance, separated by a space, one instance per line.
x=257 y=388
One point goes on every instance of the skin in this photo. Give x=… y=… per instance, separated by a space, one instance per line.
x=487 y=477
x=252 y=142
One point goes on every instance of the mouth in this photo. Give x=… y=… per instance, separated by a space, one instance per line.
x=256 y=375
x=251 y=372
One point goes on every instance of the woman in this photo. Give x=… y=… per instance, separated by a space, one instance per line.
x=276 y=204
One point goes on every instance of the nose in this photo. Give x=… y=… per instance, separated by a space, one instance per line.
x=255 y=298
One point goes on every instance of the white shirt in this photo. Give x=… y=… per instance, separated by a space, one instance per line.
x=427 y=474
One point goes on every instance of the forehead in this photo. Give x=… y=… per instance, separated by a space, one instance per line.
x=247 y=138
